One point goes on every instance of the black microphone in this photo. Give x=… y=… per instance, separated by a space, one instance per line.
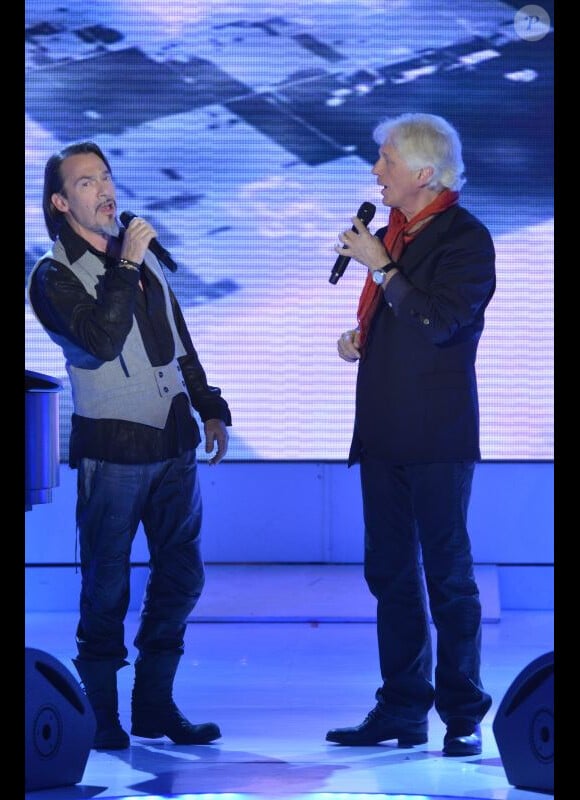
x=154 y=246
x=365 y=213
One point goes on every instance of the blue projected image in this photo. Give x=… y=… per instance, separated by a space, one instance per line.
x=243 y=132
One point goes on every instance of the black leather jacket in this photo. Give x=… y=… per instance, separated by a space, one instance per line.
x=63 y=305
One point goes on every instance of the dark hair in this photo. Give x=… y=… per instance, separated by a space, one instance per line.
x=53 y=181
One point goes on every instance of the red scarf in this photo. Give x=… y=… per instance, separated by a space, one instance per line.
x=398 y=235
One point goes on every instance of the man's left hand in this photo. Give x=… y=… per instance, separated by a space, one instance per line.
x=216 y=434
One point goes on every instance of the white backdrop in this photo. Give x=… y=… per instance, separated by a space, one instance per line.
x=244 y=132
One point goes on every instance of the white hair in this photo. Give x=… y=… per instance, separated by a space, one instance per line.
x=426 y=140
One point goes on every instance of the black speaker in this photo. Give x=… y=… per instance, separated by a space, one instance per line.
x=524 y=727
x=59 y=723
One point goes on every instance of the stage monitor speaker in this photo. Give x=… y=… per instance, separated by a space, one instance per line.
x=524 y=727
x=59 y=723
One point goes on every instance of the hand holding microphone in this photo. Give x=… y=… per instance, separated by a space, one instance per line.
x=153 y=244
x=365 y=213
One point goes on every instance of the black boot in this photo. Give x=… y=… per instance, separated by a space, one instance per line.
x=153 y=712
x=99 y=679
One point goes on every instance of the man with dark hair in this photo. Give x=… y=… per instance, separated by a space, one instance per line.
x=136 y=379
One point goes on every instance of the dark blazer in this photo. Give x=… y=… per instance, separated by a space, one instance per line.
x=416 y=392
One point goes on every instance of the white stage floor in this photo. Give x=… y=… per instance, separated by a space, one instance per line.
x=275 y=688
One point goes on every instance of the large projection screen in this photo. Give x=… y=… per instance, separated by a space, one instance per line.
x=243 y=132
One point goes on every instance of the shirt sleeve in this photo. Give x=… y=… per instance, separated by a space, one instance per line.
x=99 y=325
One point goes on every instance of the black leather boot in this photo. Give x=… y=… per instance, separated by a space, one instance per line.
x=153 y=711
x=99 y=680
x=462 y=738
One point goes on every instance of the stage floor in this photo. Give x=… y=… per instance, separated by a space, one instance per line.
x=275 y=688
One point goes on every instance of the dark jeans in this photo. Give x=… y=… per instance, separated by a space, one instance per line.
x=112 y=500
x=413 y=514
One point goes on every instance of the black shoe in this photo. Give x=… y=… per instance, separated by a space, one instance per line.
x=377 y=728
x=462 y=739
x=169 y=721
x=112 y=737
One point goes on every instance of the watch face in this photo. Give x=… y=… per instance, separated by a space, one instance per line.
x=378 y=276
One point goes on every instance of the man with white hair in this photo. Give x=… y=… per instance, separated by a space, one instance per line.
x=430 y=276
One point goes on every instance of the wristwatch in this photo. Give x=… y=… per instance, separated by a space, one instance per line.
x=380 y=274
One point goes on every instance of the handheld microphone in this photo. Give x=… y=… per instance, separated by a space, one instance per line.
x=154 y=245
x=365 y=213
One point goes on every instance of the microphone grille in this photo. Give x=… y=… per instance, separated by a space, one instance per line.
x=126 y=217
x=366 y=212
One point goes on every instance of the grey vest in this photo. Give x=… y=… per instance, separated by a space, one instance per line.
x=127 y=388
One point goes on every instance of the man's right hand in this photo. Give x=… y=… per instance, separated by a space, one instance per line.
x=136 y=240
x=347 y=346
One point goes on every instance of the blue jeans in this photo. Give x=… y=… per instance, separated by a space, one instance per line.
x=112 y=499
x=418 y=513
